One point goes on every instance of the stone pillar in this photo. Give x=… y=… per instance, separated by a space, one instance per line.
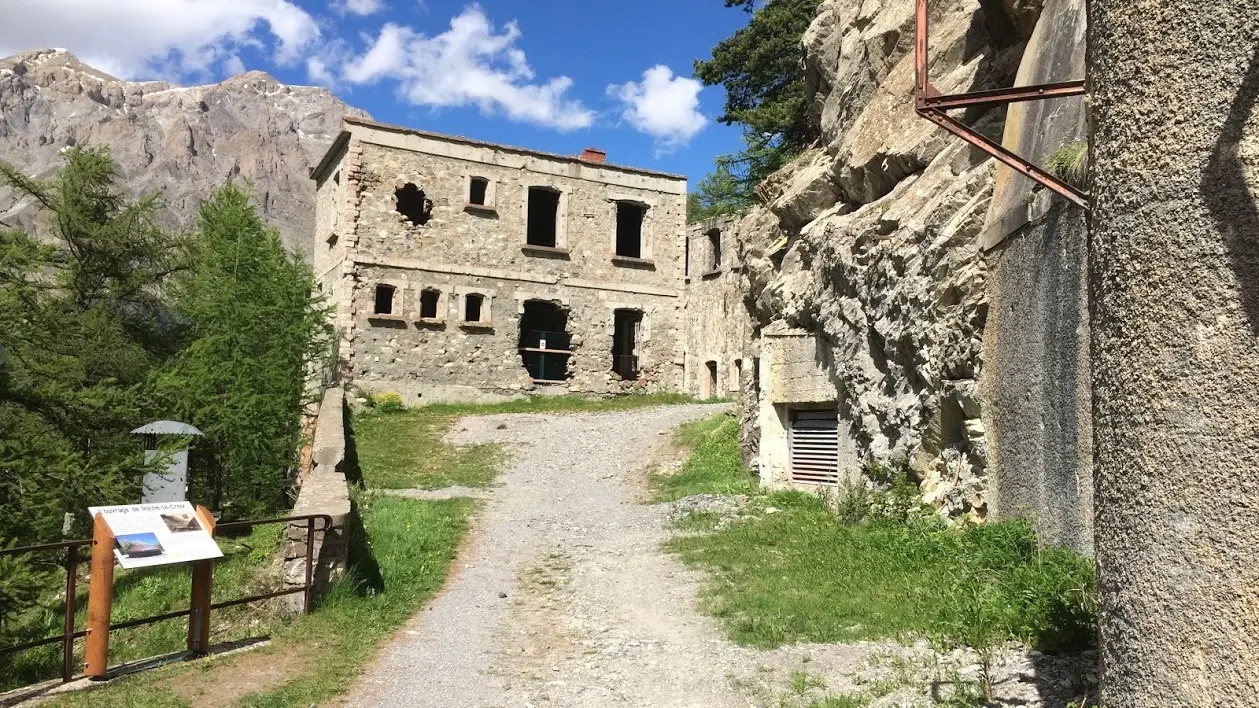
x=1175 y=277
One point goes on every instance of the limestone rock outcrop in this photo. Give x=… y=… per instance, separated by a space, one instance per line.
x=871 y=241
x=179 y=141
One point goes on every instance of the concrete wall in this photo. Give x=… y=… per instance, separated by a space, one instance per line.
x=718 y=326
x=324 y=491
x=1035 y=381
x=464 y=249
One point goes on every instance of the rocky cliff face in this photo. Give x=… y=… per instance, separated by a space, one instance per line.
x=179 y=141
x=872 y=241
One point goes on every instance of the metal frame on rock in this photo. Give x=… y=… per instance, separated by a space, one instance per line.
x=931 y=104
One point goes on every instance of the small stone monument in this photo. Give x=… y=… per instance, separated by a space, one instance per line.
x=171 y=484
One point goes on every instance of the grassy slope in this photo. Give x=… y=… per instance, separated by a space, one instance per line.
x=152 y=591
x=411 y=545
x=712 y=468
x=794 y=571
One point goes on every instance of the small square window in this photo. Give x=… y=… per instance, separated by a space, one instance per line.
x=429 y=300
x=473 y=304
x=477 y=189
x=384 y=300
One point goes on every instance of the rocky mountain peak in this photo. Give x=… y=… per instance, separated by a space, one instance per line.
x=181 y=141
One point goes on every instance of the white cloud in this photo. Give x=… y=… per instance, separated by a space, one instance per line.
x=471 y=63
x=662 y=105
x=133 y=38
x=359 y=7
x=319 y=72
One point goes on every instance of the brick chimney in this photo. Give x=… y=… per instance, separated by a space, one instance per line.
x=593 y=155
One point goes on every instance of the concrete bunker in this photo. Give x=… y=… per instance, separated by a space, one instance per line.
x=410 y=201
x=545 y=345
x=541 y=227
x=626 y=327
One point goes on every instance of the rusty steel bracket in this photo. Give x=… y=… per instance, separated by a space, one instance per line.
x=930 y=104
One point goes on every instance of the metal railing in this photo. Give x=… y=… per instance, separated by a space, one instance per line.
x=199 y=615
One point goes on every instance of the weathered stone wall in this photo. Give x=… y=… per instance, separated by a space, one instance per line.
x=872 y=245
x=464 y=250
x=718 y=328
x=324 y=491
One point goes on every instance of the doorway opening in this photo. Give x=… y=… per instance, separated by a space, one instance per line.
x=544 y=341
x=625 y=328
x=710 y=381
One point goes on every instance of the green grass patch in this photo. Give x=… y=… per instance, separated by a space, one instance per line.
x=403 y=449
x=400 y=554
x=714 y=466
x=146 y=592
x=802 y=575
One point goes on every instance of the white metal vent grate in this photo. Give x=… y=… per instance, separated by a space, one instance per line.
x=814 y=447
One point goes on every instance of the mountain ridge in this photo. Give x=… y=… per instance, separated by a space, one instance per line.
x=179 y=141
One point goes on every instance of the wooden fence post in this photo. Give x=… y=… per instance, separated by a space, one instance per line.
x=202 y=584
x=100 y=600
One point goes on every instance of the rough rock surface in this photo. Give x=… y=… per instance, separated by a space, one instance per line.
x=180 y=141
x=871 y=241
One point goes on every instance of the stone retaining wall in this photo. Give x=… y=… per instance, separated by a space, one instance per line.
x=324 y=492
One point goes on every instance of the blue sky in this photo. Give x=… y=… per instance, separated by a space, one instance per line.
x=554 y=75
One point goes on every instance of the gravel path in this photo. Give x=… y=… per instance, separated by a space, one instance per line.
x=562 y=597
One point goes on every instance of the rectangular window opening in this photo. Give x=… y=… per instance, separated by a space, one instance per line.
x=629 y=229
x=544 y=342
x=813 y=448
x=472 y=307
x=710 y=382
x=544 y=206
x=429 y=300
x=384 y=300
x=714 y=249
x=476 y=190
x=626 y=325
x=686 y=259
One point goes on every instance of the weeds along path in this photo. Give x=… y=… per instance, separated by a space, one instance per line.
x=562 y=595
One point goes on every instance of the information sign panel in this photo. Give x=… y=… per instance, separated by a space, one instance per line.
x=157 y=534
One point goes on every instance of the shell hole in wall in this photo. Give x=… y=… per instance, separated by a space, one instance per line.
x=410 y=201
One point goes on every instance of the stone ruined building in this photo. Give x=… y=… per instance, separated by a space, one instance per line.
x=911 y=299
x=718 y=330
x=464 y=270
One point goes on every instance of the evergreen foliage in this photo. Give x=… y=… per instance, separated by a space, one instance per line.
x=720 y=193
x=107 y=322
x=252 y=326
x=760 y=68
x=81 y=327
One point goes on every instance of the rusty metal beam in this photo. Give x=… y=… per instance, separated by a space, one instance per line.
x=930 y=104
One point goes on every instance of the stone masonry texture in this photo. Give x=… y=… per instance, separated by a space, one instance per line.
x=1175 y=273
x=462 y=251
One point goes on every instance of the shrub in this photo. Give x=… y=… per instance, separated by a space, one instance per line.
x=387 y=402
x=1070 y=163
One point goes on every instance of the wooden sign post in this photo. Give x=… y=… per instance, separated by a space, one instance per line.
x=202 y=583
x=100 y=600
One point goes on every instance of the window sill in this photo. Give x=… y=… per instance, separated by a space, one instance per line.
x=484 y=209
x=476 y=325
x=711 y=274
x=430 y=320
x=548 y=251
x=632 y=262
x=386 y=318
